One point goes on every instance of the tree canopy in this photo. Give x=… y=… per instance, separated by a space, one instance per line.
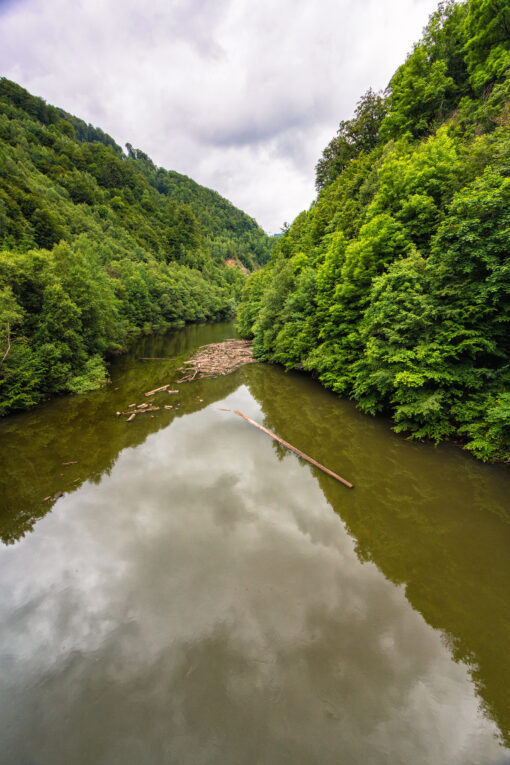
x=394 y=287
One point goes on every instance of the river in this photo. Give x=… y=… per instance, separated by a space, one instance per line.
x=199 y=595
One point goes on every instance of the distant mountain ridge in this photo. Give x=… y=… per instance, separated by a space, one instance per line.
x=98 y=245
x=219 y=221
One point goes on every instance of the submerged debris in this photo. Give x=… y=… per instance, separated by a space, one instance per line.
x=218 y=359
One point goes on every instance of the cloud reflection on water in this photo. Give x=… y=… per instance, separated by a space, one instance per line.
x=207 y=605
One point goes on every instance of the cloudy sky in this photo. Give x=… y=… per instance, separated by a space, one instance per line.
x=241 y=95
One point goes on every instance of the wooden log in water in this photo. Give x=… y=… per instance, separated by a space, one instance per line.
x=157 y=390
x=293 y=449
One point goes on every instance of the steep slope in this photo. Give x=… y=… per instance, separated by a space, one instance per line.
x=98 y=246
x=394 y=288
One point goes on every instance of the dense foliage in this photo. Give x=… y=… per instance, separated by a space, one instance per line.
x=394 y=288
x=97 y=246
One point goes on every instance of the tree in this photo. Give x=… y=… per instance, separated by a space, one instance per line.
x=11 y=315
x=353 y=136
x=488 y=43
x=420 y=92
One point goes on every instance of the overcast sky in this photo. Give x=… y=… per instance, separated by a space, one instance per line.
x=241 y=95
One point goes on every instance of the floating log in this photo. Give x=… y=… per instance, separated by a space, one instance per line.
x=74 y=462
x=131 y=417
x=293 y=449
x=157 y=390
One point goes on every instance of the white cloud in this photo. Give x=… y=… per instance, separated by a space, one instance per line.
x=240 y=96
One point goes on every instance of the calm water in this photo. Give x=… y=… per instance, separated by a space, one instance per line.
x=198 y=595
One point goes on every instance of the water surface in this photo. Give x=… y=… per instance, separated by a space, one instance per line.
x=199 y=595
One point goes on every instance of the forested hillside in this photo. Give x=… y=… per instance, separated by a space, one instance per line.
x=394 y=287
x=97 y=246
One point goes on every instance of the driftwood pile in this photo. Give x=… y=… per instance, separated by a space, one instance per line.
x=218 y=359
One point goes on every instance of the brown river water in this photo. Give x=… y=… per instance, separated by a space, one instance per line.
x=200 y=595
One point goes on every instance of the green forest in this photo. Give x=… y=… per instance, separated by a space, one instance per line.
x=97 y=246
x=394 y=287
